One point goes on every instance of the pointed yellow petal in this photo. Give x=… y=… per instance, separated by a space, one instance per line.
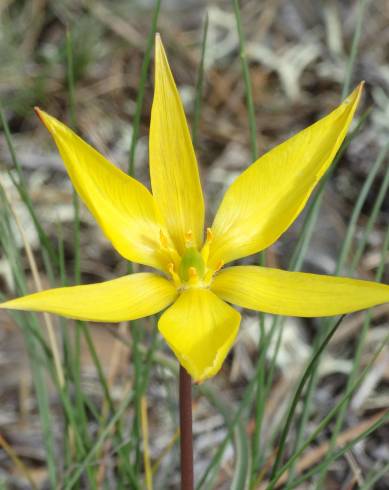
x=265 y=199
x=200 y=329
x=173 y=168
x=126 y=298
x=296 y=293
x=123 y=207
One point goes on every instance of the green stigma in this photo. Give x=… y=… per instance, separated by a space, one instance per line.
x=191 y=258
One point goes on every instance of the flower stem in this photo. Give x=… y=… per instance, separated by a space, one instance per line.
x=186 y=440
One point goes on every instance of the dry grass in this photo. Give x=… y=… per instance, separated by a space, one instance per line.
x=297 y=53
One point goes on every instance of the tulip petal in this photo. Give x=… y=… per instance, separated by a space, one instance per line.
x=173 y=167
x=267 y=197
x=127 y=298
x=123 y=207
x=296 y=293
x=200 y=329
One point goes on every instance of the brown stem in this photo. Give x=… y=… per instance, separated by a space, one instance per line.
x=186 y=440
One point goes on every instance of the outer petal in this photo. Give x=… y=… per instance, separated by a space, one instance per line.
x=123 y=207
x=265 y=199
x=200 y=329
x=296 y=293
x=126 y=298
x=173 y=168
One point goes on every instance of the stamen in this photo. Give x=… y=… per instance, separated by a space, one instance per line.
x=210 y=272
x=168 y=249
x=163 y=239
x=208 y=276
x=188 y=237
x=193 y=275
x=173 y=273
x=219 y=265
x=205 y=249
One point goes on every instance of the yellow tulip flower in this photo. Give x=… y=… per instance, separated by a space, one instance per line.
x=164 y=230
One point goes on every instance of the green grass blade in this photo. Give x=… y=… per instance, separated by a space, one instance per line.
x=22 y=189
x=371 y=220
x=356 y=364
x=73 y=125
x=261 y=396
x=34 y=346
x=327 y=419
x=142 y=85
x=242 y=468
x=247 y=82
x=307 y=373
x=354 y=47
x=351 y=229
x=199 y=84
x=340 y=452
x=373 y=477
x=88 y=459
x=70 y=79
x=239 y=415
x=40 y=385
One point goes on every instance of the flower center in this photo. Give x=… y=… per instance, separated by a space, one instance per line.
x=190 y=269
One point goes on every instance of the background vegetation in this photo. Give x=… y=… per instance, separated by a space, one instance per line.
x=299 y=403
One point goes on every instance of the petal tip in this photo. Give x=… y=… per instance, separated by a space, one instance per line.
x=45 y=118
x=160 y=54
x=359 y=88
x=38 y=111
x=9 y=305
x=354 y=97
x=159 y=49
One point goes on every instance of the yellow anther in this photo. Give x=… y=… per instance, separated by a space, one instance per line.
x=209 y=236
x=219 y=265
x=192 y=271
x=163 y=239
x=208 y=276
x=173 y=273
x=205 y=249
x=188 y=237
x=210 y=272
x=169 y=252
x=193 y=275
